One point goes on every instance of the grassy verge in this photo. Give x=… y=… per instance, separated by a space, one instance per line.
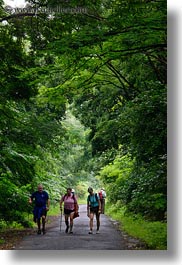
x=54 y=210
x=154 y=234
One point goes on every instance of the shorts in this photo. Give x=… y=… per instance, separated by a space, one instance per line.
x=44 y=212
x=38 y=212
x=67 y=211
x=94 y=210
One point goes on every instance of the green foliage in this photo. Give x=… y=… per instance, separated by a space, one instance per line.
x=153 y=234
x=85 y=98
x=14 y=202
x=146 y=114
x=114 y=177
x=142 y=190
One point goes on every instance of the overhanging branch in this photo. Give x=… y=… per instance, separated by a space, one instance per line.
x=19 y=15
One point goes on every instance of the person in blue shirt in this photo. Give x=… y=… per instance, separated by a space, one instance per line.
x=42 y=203
x=93 y=208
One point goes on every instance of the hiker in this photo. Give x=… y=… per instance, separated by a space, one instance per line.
x=102 y=195
x=70 y=207
x=93 y=208
x=42 y=204
x=73 y=191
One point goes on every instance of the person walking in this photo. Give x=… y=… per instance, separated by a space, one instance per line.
x=70 y=207
x=102 y=195
x=93 y=208
x=42 y=204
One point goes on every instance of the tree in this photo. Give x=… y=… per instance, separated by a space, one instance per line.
x=109 y=65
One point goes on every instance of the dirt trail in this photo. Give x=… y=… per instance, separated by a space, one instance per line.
x=110 y=238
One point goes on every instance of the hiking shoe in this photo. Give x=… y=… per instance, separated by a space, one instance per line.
x=66 y=231
x=43 y=231
x=90 y=232
x=70 y=232
x=38 y=232
x=97 y=232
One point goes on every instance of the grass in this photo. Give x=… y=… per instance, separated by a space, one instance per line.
x=154 y=234
x=6 y=225
x=82 y=200
x=54 y=210
x=2 y=241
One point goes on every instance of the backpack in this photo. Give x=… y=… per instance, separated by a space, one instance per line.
x=96 y=197
x=100 y=195
x=75 y=203
x=73 y=196
x=103 y=194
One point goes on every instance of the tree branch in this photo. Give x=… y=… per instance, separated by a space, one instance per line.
x=137 y=49
x=18 y=16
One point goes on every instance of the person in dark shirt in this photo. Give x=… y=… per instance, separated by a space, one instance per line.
x=42 y=203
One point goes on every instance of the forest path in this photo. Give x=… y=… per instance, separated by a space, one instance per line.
x=110 y=238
